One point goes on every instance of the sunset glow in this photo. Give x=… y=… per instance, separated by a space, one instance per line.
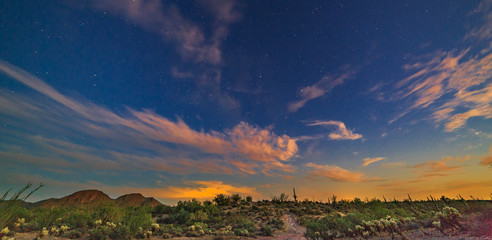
x=189 y=99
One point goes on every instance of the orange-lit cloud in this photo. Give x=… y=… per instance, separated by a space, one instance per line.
x=341 y=132
x=200 y=190
x=367 y=161
x=190 y=190
x=487 y=160
x=453 y=85
x=439 y=168
x=244 y=147
x=463 y=77
x=336 y=173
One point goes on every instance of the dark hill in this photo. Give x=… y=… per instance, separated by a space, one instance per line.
x=85 y=197
x=136 y=200
x=96 y=197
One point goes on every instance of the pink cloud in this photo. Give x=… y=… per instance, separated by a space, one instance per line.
x=341 y=132
x=453 y=85
x=337 y=173
x=367 y=161
x=320 y=88
x=487 y=160
x=244 y=146
x=167 y=21
x=439 y=168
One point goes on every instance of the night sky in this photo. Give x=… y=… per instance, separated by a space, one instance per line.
x=189 y=99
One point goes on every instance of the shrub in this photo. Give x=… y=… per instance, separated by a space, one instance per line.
x=448 y=219
x=78 y=218
x=107 y=212
x=169 y=231
x=137 y=218
x=48 y=217
x=99 y=233
x=198 y=216
x=389 y=225
x=142 y=233
x=8 y=209
x=120 y=232
x=162 y=209
x=222 y=200
x=326 y=228
x=266 y=231
x=276 y=223
x=73 y=234
x=198 y=229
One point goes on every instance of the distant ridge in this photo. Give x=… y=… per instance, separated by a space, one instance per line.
x=94 y=197
x=136 y=200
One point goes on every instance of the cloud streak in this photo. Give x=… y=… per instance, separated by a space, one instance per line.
x=169 y=144
x=337 y=173
x=439 y=168
x=487 y=160
x=341 y=132
x=190 y=39
x=367 y=161
x=324 y=86
x=195 y=43
x=453 y=85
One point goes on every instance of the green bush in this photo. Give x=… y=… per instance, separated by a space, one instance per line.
x=78 y=218
x=137 y=218
x=169 y=231
x=73 y=234
x=448 y=219
x=99 y=233
x=266 y=231
x=107 y=212
x=198 y=229
x=328 y=227
x=199 y=216
x=120 y=232
x=222 y=200
x=10 y=207
x=12 y=214
x=47 y=217
x=162 y=209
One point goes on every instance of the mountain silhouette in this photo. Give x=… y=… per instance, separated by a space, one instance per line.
x=94 y=197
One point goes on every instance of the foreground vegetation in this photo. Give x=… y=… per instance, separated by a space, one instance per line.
x=394 y=219
x=234 y=216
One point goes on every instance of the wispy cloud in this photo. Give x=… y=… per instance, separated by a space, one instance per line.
x=394 y=165
x=483 y=32
x=453 y=85
x=487 y=160
x=341 y=132
x=337 y=173
x=172 y=145
x=367 y=161
x=439 y=168
x=320 y=88
x=168 y=22
x=194 y=42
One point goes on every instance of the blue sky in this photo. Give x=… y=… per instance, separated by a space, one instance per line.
x=181 y=100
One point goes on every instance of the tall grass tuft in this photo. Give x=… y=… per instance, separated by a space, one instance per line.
x=10 y=206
